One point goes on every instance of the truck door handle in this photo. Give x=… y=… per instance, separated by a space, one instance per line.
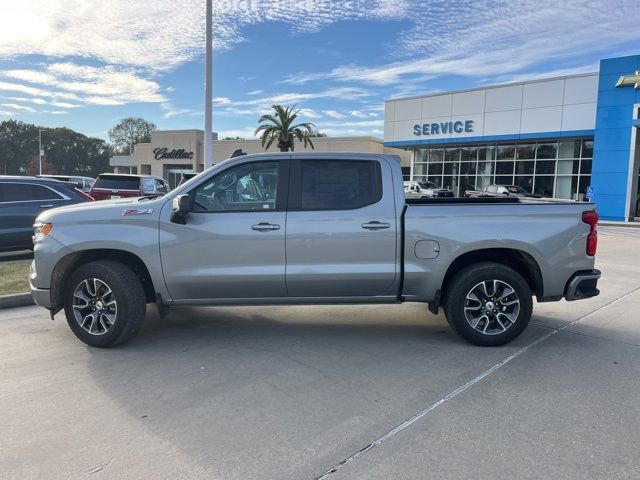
x=46 y=206
x=375 y=225
x=265 y=227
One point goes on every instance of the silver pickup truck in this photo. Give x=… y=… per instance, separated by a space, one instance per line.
x=311 y=228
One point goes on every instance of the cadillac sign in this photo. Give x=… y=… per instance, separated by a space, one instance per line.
x=160 y=153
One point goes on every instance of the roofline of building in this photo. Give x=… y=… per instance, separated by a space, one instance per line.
x=490 y=87
x=186 y=130
x=313 y=139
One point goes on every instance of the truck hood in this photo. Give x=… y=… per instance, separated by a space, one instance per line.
x=105 y=209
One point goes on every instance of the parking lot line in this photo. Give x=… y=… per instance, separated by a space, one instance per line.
x=454 y=393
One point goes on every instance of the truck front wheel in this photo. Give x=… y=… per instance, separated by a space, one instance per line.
x=488 y=303
x=104 y=303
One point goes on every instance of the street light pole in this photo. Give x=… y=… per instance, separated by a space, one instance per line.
x=208 y=134
x=40 y=148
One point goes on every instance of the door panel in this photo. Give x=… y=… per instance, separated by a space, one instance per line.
x=233 y=242
x=219 y=255
x=341 y=252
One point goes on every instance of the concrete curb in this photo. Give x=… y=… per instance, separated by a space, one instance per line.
x=620 y=224
x=17 y=300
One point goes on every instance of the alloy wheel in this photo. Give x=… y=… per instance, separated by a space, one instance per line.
x=492 y=307
x=94 y=306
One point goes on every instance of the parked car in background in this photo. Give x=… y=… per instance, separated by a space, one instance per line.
x=504 y=190
x=22 y=199
x=429 y=190
x=185 y=177
x=115 y=185
x=81 y=183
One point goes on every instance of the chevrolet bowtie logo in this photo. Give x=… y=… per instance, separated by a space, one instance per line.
x=629 y=80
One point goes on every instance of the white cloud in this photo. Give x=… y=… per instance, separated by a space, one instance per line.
x=238 y=132
x=494 y=39
x=358 y=114
x=84 y=84
x=221 y=101
x=255 y=92
x=15 y=106
x=162 y=34
x=333 y=113
x=171 y=111
x=307 y=112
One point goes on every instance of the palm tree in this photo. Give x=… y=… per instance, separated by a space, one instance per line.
x=280 y=127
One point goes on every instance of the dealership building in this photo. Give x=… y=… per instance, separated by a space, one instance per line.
x=569 y=137
x=170 y=153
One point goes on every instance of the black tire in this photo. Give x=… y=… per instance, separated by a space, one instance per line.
x=466 y=281
x=126 y=291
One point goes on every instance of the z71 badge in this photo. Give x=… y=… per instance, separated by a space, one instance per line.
x=137 y=211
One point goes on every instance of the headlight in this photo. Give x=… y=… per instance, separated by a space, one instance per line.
x=41 y=230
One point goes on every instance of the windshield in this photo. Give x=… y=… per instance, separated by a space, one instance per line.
x=516 y=189
x=428 y=185
x=115 y=182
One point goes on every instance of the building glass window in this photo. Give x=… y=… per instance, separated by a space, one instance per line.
x=526 y=151
x=569 y=149
x=469 y=154
x=546 y=150
x=452 y=155
x=560 y=169
x=525 y=167
x=545 y=167
x=506 y=152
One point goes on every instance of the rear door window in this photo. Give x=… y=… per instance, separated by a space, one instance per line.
x=114 y=182
x=339 y=184
x=26 y=192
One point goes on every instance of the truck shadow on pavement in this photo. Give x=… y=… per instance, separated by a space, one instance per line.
x=237 y=390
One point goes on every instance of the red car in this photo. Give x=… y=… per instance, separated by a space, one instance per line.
x=115 y=185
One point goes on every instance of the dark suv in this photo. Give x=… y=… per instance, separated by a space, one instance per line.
x=22 y=199
x=114 y=185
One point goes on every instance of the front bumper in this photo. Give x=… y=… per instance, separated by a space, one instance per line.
x=582 y=285
x=41 y=296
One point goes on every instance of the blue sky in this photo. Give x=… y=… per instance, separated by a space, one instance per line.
x=86 y=64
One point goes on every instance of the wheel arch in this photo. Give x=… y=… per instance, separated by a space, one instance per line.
x=520 y=261
x=68 y=264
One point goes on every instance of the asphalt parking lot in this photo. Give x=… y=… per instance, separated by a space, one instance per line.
x=372 y=392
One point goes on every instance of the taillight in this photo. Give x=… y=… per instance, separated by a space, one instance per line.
x=88 y=198
x=591 y=218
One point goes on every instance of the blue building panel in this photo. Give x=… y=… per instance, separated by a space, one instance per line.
x=612 y=150
x=614 y=139
x=611 y=161
x=620 y=65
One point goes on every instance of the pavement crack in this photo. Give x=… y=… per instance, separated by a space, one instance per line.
x=461 y=389
x=98 y=468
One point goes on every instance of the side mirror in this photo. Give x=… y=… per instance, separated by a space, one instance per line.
x=181 y=207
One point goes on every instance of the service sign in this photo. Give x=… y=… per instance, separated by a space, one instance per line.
x=443 y=128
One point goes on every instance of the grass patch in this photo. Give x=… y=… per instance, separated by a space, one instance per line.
x=14 y=276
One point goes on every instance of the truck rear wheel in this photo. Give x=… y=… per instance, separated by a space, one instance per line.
x=488 y=304
x=104 y=303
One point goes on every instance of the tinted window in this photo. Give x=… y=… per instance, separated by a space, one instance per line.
x=24 y=192
x=114 y=182
x=339 y=185
x=246 y=187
